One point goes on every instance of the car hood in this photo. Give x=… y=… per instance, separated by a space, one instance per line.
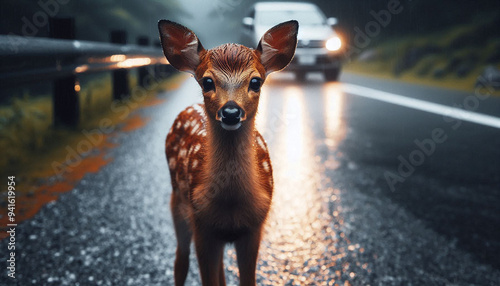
x=305 y=32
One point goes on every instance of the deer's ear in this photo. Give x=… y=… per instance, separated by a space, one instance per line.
x=277 y=46
x=180 y=46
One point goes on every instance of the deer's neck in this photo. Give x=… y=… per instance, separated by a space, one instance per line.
x=231 y=166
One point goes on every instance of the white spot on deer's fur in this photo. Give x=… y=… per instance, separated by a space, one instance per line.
x=195 y=163
x=171 y=130
x=261 y=142
x=265 y=164
x=189 y=110
x=187 y=123
x=199 y=109
x=183 y=152
x=171 y=163
x=190 y=178
x=203 y=132
x=178 y=125
x=193 y=122
x=195 y=128
x=197 y=148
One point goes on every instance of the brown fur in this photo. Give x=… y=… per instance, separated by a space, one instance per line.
x=222 y=180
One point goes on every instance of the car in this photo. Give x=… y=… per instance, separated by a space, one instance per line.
x=319 y=47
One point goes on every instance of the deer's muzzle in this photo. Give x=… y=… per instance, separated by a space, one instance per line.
x=230 y=116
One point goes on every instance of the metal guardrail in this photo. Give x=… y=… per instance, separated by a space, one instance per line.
x=61 y=59
x=25 y=59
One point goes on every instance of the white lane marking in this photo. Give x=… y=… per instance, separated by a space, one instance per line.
x=423 y=105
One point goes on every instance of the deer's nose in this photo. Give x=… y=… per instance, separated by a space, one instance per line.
x=230 y=114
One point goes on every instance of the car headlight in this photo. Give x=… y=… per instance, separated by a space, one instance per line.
x=333 y=44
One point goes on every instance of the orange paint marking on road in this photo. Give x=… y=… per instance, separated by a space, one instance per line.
x=88 y=165
x=135 y=122
x=27 y=205
x=154 y=101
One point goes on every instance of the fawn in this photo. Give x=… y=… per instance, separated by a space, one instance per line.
x=219 y=163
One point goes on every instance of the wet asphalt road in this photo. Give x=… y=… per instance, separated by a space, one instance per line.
x=334 y=220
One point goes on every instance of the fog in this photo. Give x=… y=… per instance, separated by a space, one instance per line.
x=219 y=21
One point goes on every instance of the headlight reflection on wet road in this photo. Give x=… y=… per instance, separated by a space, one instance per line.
x=335 y=129
x=334 y=126
x=294 y=135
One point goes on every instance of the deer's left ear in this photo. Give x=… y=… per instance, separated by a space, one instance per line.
x=277 y=46
x=180 y=46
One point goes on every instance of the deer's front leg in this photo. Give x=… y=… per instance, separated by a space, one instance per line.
x=247 y=250
x=209 y=251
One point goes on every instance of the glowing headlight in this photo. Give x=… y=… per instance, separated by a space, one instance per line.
x=333 y=44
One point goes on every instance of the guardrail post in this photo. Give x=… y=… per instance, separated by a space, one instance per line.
x=121 y=86
x=143 y=72
x=65 y=98
x=161 y=70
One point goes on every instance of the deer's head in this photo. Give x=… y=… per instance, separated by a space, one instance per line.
x=230 y=75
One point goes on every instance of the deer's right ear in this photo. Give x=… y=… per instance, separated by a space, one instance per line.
x=180 y=46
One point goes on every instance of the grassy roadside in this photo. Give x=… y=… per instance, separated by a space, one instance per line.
x=452 y=58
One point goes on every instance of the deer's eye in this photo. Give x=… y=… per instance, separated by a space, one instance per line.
x=255 y=84
x=208 y=84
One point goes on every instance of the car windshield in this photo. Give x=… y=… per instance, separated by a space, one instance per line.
x=272 y=17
